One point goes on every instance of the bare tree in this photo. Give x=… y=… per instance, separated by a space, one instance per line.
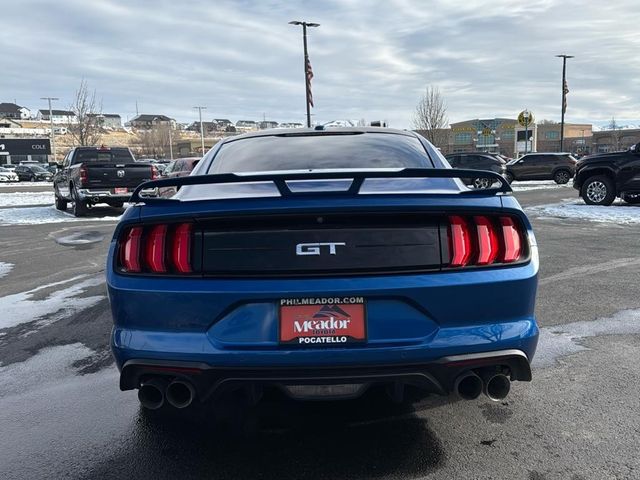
x=431 y=117
x=616 y=133
x=86 y=129
x=155 y=141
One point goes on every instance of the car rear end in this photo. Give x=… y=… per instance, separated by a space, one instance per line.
x=323 y=285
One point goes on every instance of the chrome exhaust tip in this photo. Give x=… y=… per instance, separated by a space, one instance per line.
x=180 y=394
x=151 y=393
x=496 y=386
x=468 y=386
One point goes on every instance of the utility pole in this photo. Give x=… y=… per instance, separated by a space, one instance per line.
x=307 y=66
x=53 y=135
x=201 y=129
x=170 y=142
x=565 y=90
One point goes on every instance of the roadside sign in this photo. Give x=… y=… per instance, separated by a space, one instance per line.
x=524 y=122
x=25 y=146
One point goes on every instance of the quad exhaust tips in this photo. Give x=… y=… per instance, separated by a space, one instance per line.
x=151 y=393
x=180 y=394
x=468 y=386
x=494 y=385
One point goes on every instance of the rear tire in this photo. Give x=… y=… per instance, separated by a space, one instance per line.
x=598 y=190
x=79 y=206
x=32 y=179
x=61 y=204
x=561 y=177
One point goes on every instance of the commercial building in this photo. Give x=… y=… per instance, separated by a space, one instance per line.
x=614 y=140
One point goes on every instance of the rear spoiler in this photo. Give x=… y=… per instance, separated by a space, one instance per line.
x=280 y=180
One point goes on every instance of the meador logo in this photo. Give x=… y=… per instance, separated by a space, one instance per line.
x=332 y=323
x=329 y=317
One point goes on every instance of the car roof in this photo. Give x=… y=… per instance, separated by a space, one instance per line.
x=548 y=153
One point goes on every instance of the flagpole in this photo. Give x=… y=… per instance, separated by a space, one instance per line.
x=307 y=81
x=564 y=97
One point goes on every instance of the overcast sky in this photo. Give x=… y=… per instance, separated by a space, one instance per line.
x=371 y=59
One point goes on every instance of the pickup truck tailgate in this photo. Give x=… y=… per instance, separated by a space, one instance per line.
x=110 y=175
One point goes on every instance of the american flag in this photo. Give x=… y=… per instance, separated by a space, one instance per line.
x=565 y=90
x=309 y=77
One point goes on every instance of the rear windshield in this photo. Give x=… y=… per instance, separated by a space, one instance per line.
x=113 y=155
x=326 y=151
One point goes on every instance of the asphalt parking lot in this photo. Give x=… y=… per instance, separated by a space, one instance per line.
x=63 y=416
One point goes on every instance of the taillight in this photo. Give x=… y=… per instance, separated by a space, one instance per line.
x=84 y=175
x=484 y=240
x=459 y=241
x=512 y=242
x=156 y=249
x=181 y=248
x=130 y=250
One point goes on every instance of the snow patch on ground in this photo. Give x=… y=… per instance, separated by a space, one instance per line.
x=620 y=213
x=537 y=185
x=562 y=340
x=49 y=365
x=26 y=198
x=40 y=215
x=23 y=184
x=22 y=308
x=5 y=268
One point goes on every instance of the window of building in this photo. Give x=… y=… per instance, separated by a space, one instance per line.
x=552 y=135
x=508 y=135
x=462 y=137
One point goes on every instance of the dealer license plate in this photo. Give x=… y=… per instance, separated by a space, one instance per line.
x=322 y=321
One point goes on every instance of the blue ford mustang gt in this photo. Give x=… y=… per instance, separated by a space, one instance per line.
x=322 y=263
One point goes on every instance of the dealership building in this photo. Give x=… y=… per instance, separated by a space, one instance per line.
x=16 y=150
x=508 y=137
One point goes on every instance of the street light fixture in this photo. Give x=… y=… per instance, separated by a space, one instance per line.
x=201 y=129
x=565 y=90
x=307 y=80
x=526 y=115
x=53 y=135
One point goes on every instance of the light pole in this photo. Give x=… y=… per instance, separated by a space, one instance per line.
x=565 y=90
x=53 y=135
x=526 y=115
x=201 y=129
x=307 y=66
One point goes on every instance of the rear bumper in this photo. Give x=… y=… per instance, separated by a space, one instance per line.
x=436 y=377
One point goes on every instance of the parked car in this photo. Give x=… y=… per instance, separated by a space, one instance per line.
x=603 y=177
x=478 y=161
x=322 y=263
x=91 y=175
x=181 y=167
x=7 y=175
x=559 y=167
x=33 y=173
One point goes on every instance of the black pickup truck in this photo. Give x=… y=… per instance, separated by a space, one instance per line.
x=601 y=178
x=91 y=175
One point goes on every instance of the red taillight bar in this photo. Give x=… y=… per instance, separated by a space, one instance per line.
x=484 y=240
x=488 y=245
x=459 y=241
x=130 y=250
x=512 y=242
x=181 y=250
x=154 y=252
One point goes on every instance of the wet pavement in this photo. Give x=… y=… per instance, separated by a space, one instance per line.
x=63 y=416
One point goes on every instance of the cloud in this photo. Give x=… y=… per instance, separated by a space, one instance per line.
x=371 y=59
